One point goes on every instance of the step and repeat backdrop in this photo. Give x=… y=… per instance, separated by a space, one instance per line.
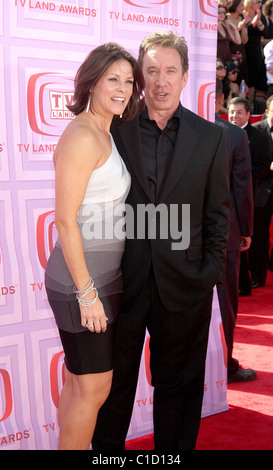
x=42 y=44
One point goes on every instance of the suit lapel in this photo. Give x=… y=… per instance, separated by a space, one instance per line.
x=248 y=129
x=266 y=126
x=186 y=141
x=128 y=135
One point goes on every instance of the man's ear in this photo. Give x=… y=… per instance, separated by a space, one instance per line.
x=185 y=79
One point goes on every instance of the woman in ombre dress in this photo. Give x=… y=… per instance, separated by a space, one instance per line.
x=83 y=274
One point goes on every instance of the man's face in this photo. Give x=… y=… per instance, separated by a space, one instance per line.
x=164 y=79
x=269 y=113
x=238 y=115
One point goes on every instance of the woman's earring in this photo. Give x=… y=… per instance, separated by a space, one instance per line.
x=120 y=116
x=88 y=103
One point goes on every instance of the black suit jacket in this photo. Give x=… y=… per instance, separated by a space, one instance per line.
x=259 y=146
x=265 y=185
x=241 y=191
x=198 y=176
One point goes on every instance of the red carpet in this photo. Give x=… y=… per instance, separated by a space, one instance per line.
x=248 y=424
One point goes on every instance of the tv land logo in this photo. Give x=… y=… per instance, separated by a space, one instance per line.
x=7 y=395
x=48 y=95
x=206 y=100
x=148 y=3
x=57 y=379
x=147 y=356
x=58 y=102
x=46 y=236
x=209 y=7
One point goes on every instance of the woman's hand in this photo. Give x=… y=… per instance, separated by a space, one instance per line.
x=93 y=316
x=257 y=18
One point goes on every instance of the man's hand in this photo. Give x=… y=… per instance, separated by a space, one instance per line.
x=245 y=243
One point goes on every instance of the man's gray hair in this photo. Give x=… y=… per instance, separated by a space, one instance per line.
x=164 y=39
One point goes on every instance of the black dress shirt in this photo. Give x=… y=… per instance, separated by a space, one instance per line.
x=157 y=147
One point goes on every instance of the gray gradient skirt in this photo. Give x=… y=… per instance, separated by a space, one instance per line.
x=85 y=352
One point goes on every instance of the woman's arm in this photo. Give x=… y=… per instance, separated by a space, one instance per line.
x=233 y=32
x=77 y=156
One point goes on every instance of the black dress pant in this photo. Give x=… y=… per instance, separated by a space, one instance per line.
x=259 y=248
x=244 y=276
x=178 y=345
x=228 y=295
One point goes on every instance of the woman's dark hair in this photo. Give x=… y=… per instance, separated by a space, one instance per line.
x=231 y=66
x=91 y=70
x=232 y=5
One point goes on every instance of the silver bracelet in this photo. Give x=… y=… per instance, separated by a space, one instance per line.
x=86 y=292
x=87 y=303
x=84 y=288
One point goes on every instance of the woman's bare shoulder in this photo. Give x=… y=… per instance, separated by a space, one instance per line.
x=78 y=141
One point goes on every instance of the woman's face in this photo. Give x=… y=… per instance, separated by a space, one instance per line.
x=221 y=14
x=240 y=8
x=257 y=5
x=220 y=70
x=114 y=89
x=232 y=75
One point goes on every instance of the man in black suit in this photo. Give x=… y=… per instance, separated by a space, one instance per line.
x=177 y=161
x=259 y=252
x=259 y=146
x=241 y=230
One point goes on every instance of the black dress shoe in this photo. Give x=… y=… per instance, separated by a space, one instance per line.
x=255 y=284
x=242 y=375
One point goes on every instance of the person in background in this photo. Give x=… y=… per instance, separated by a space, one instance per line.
x=267 y=36
x=268 y=58
x=232 y=73
x=241 y=230
x=259 y=251
x=253 y=47
x=221 y=73
x=83 y=275
x=227 y=33
x=235 y=15
x=267 y=19
x=259 y=146
x=177 y=161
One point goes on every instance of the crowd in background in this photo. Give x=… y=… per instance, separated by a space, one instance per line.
x=244 y=67
x=245 y=51
x=244 y=88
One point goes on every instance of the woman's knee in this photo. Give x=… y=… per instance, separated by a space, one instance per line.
x=104 y=386
x=93 y=387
